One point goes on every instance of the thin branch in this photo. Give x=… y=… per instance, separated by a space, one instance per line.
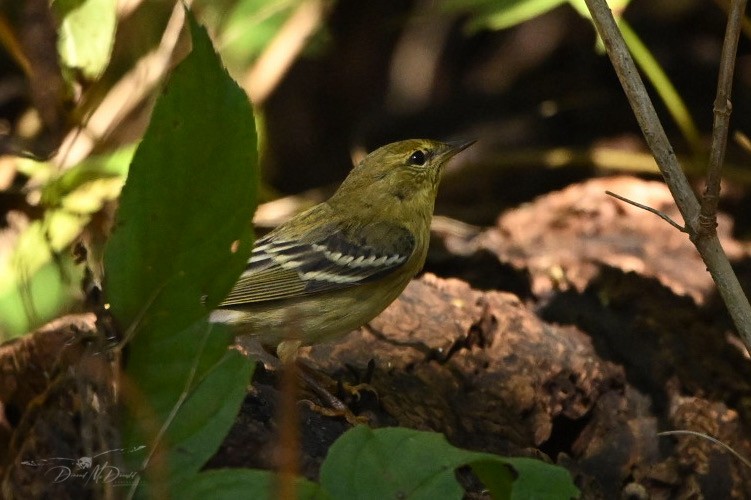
x=661 y=215
x=721 y=124
x=708 y=438
x=664 y=87
x=708 y=245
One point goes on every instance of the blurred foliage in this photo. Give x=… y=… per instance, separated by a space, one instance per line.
x=250 y=25
x=38 y=279
x=497 y=15
x=86 y=34
x=248 y=28
x=35 y=282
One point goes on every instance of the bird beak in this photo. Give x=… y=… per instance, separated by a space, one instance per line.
x=456 y=147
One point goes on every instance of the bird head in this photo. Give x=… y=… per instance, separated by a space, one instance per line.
x=401 y=170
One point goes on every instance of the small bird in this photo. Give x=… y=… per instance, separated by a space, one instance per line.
x=336 y=266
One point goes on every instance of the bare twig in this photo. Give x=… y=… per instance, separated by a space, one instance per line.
x=708 y=245
x=661 y=215
x=722 y=109
x=710 y=439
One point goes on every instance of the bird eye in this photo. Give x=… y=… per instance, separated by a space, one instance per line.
x=417 y=158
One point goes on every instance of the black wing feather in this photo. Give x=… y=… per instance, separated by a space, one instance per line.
x=332 y=258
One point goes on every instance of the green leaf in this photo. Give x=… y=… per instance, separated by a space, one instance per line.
x=241 y=484
x=195 y=362
x=84 y=187
x=252 y=24
x=182 y=236
x=183 y=230
x=86 y=34
x=496 y=476
x=207 y=415
x=404 y=463
x=539 y=480
x=39 y=279
x=34 y=287
x=390 y=463
x=516 y=12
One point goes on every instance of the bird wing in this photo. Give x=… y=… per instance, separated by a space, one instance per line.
x=329 y=258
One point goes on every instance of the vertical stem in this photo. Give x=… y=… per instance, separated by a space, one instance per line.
x=721 y=123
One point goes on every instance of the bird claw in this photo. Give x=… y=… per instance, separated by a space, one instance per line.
x=338 y=412
x=354 y=390
x=341 y=412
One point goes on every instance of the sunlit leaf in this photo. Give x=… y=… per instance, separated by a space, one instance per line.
x=86 y=34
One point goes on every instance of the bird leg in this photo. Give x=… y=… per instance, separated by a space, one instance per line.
x=333 y=406
x=287 y=360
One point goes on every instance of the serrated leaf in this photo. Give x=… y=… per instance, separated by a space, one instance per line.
x=183 y=230
x=182 y=236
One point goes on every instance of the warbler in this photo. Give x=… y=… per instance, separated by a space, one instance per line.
x=336 y=266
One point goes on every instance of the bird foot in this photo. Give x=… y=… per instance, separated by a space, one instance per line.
x=339 y=412
x=333 y=406
x=354 y=390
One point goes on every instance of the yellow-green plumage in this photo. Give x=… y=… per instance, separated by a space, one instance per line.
x=337 y=265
